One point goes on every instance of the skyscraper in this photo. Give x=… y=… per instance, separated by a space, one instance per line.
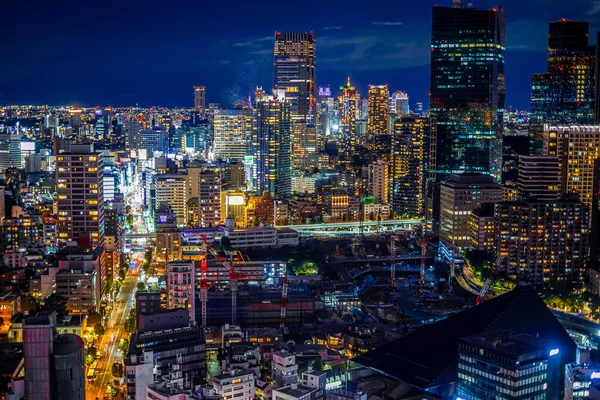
x=412 y=164
x=171 y=190
x=399 y=103
x=209 y=198
x=10 y=151
x=80 y=196
x=379 y=181
x=347 y=121
x=294 y=67
x=102 y=126
x=539 y=177
x=200 y=100
x=467 y=88
x=377 y=120
x=232 y=129
x=272 y=145
x=152 y=140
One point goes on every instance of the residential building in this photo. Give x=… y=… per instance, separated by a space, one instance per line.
x=79 y=278
x=181 y=287
x=200 y=100
x=379 y=181
x=539 y=177
x=238 y=384
x=346 y=103
x=209 y=198
x=313 y=387
x=284 y=370
x=467 y=89
x=171 y=191
x=482 y=227
x=378 y=110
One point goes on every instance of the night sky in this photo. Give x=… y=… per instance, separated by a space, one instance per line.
x=153 y=52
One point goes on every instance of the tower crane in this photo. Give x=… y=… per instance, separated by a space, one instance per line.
x=235 y=273
x=284 y=293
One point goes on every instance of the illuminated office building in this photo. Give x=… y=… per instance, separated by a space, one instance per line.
x=200 y=101
x=170 y=190
x=231 y=131
x=209 y=198
x=399 y=103
x=467 y=90
x=544 y=242
x=132 y=128
x=295 y=72
x=577 y=147
x=152 y=140
x=412 y=164
x=103 y=123
x=347 y=120
x=80 y=196
x=272 y=145
x=379 y=181
x=10 y=151
x=539 y=177
x=377 y=120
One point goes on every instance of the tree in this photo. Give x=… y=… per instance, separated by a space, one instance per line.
x=255 y=221
x=141 y=286
x=109 y=285
x=112 y=391
x=130 y=321
x=124 y=346
x=318 y=364
x=117 y=370
x=56 y=303
x=99 y=329
x=90 y=355
x=94 y=318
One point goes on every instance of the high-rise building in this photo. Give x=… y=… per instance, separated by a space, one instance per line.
x=103 y=126
x=180 y=287
x=272 y=145
x=399 y=103
x=80 y=196
x=10 y=151
x=379 y=181
x=54 y=362
x=347 y=122
x=539 y=177
x=565 y=94
x=209 y=198
x=232 y=128
x=132 y=126
x=152 y=140
x=412 y=164
x=507 y=365
x=545 y=242
x=577 y=147
x=200 y=101
x=170 y=190
x=378 y=110
x=467 y=88
x=294 y=67
x=459 y=196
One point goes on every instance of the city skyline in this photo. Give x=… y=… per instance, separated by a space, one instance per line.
x=234 y=54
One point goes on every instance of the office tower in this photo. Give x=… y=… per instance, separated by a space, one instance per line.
x=200 y=101
x=10 y=151
x=180 y=287
x=482 y=227
x=132 y=126
x=170 y=190
x=209 y=198
x=231 y=128
x=539 y=177
x=284 y=370
x=378 y=110
x=565 y=94
x=508 y=365
x=153 y=140
x=412 y=164
x=272 y=145
x=545 y=242
x=577 y=147
x=379 y=181
x=347 y=121
x=294 y=68
x=399 y=103
x=459 y=196
x=80 y=196
x=75 y=118
x=102 y=122
x=54 y=363
x=238 y=384
x=154 y=355
x=467 y=88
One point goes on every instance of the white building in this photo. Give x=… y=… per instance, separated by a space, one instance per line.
x=312 y=388
x=171 y=190
x=238 y=385
x=379 y=181
x=139 y=371
x=284 y=370
x=180 y=286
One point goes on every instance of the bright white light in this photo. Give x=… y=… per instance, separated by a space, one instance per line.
x=554 y=352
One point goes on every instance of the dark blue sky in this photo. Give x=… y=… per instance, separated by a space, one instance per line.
x=153 y=52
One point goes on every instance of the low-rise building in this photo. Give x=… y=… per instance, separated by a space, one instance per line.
x=238 y=384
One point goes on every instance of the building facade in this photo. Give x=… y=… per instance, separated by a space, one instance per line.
x=181 y=287
x=232 y=128
x=377 y=120
x=209 y=198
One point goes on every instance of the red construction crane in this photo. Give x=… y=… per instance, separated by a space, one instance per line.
x=393 y=260
x=235 y=273
x=284 y=294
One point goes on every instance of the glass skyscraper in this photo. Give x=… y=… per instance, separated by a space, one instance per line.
x=467 y=88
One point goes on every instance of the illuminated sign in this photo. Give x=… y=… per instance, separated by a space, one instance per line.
x=236 y=200
x=595 y=375
x=554 y=352
x=248 y=160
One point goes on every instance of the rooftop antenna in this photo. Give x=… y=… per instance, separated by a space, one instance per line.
x=456 y=4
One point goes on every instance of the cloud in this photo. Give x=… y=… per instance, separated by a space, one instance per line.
x=388 y=23
x=595 y=8
x=332 y=28
x=253 y=42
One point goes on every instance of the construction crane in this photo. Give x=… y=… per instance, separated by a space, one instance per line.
x=205 y=285
x=488 y=282
x=284 y=294
x=393 y=260
x=235 y=273
x=423 y=253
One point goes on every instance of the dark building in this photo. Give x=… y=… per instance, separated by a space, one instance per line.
x=539 y=177
x=467 y=88
x=566 y=93
x=428 y=358
x=506 y=365
x=147 y=302
x=544 y=242
x=412 y=164
x=67 y=362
